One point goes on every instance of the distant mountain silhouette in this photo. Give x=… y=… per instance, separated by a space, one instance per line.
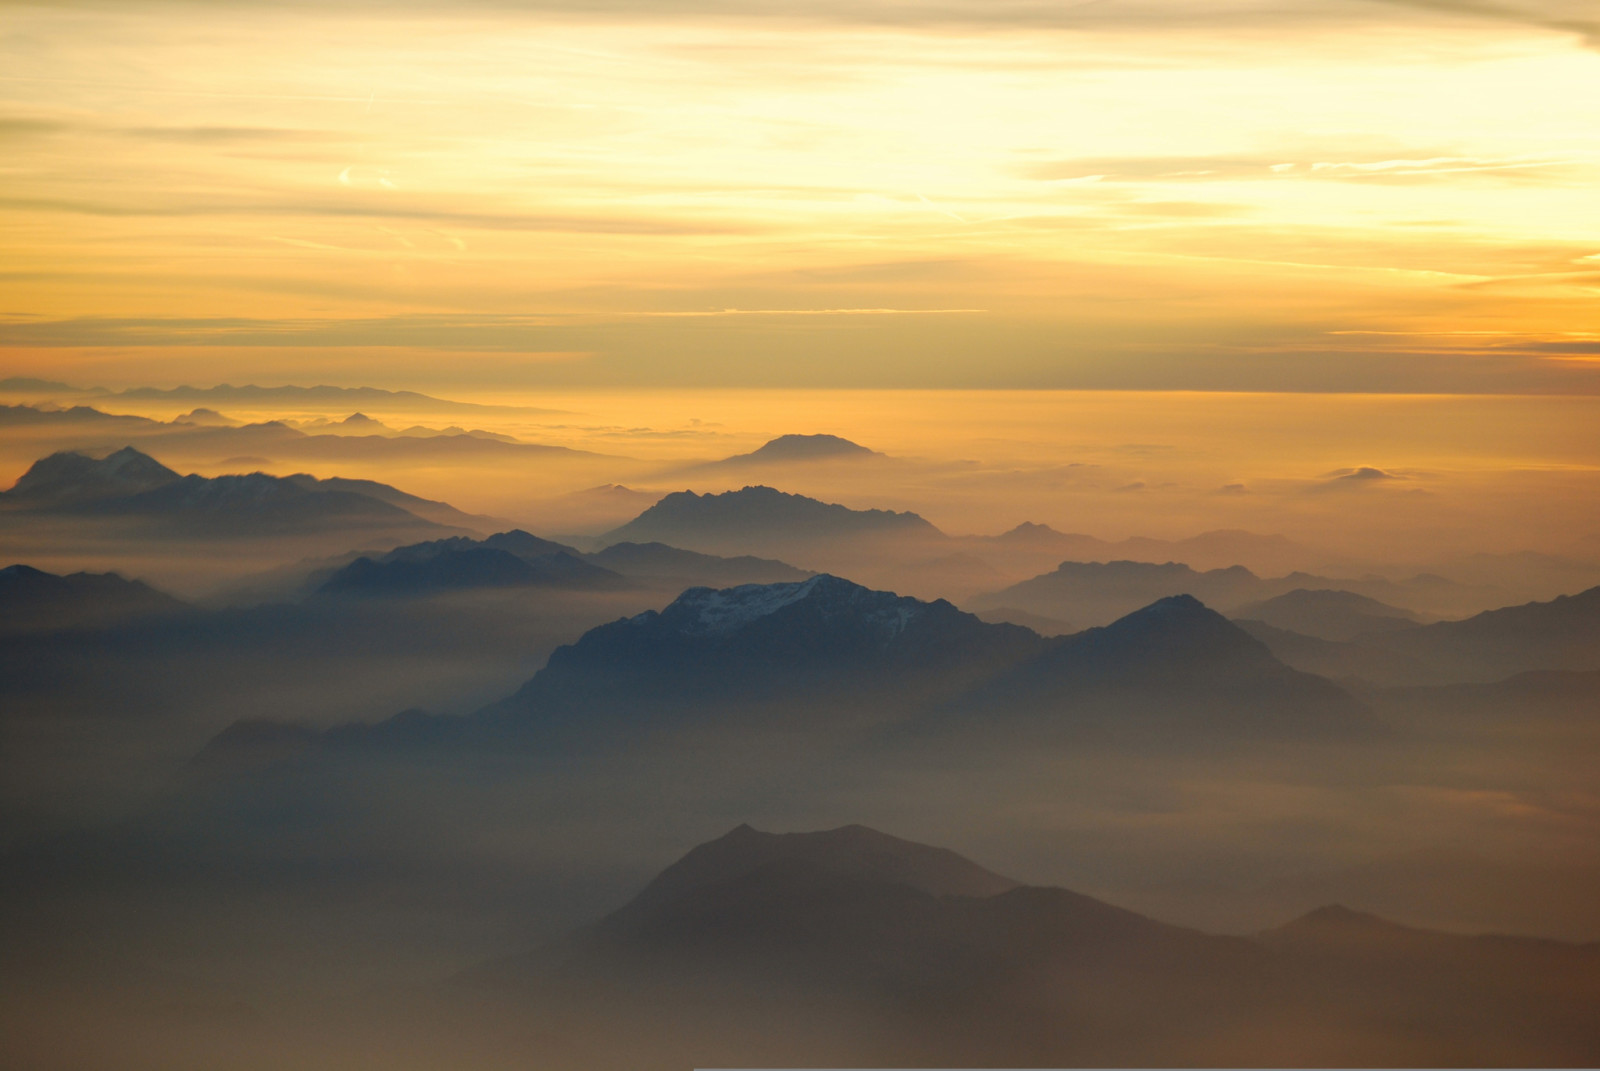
x=1175 y=668
x=1094 y=592
x=675 y=569
x=787 y=449
x=1097 y=592
x=504 y=560
x=130 y=484
x=838 y=661
x=68 y=479
x=1329 y=615
x=852 y=948
x=33 y=600
x=781 y=648
x=1208 y=550
x=1563 y=634
x=437 y=512
x=757 y=517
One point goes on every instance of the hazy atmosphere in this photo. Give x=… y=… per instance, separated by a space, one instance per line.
x=734 y=533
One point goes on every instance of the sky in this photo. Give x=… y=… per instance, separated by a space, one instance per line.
x=1240 y=195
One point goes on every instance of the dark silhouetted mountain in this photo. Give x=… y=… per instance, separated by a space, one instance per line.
x=1208 y=550
x=203 y=417
x=68 y=478
x=437 y=512
x=854 y=850
x=850 y=948
x=1328 y=615
x=34 y=601
x=1563 y=634
x=786 y=449
x=821 y=648
x=30 y=385
x=761 y=516
x=1174 y=668
x=675 y=569
x=1098 y=592
x=130 y=484
x=505 y=560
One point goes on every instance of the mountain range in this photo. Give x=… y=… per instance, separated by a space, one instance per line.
x=1093 y=592
x=517 y=559
x=841 y=662
x=1561 y=634
x=129 y=484
x=762 y=520
x=850 y=947
x=32 y=600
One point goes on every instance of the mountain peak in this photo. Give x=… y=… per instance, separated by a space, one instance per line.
x=762 y=515
x=806 y=448
x=855 y=851
x=70 y=475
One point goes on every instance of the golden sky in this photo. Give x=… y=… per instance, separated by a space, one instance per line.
x=1242 y=194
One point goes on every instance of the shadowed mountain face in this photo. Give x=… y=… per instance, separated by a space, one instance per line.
x=759 y=517
x=851 y=945
x=36 y=601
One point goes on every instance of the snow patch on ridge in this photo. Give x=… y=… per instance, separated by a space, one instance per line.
x=731 y=609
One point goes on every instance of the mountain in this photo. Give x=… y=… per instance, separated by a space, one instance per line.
x=1209 y=550
x=675 y=569
x=758 y=517
x=856 y=850
x=504 y=560
x=132 y=485
x=852 y=948
x=828 y=660
x=69 y=479
x=1562 y=634
x=1173 y=670
x=437 y=512
x=1328 y=615
x=788 y=449
x=823 y=653
x=1099 y=592
x=30 y=385
x=35 y=601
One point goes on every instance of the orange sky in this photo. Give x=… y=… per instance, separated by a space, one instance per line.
x=1350 y=195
